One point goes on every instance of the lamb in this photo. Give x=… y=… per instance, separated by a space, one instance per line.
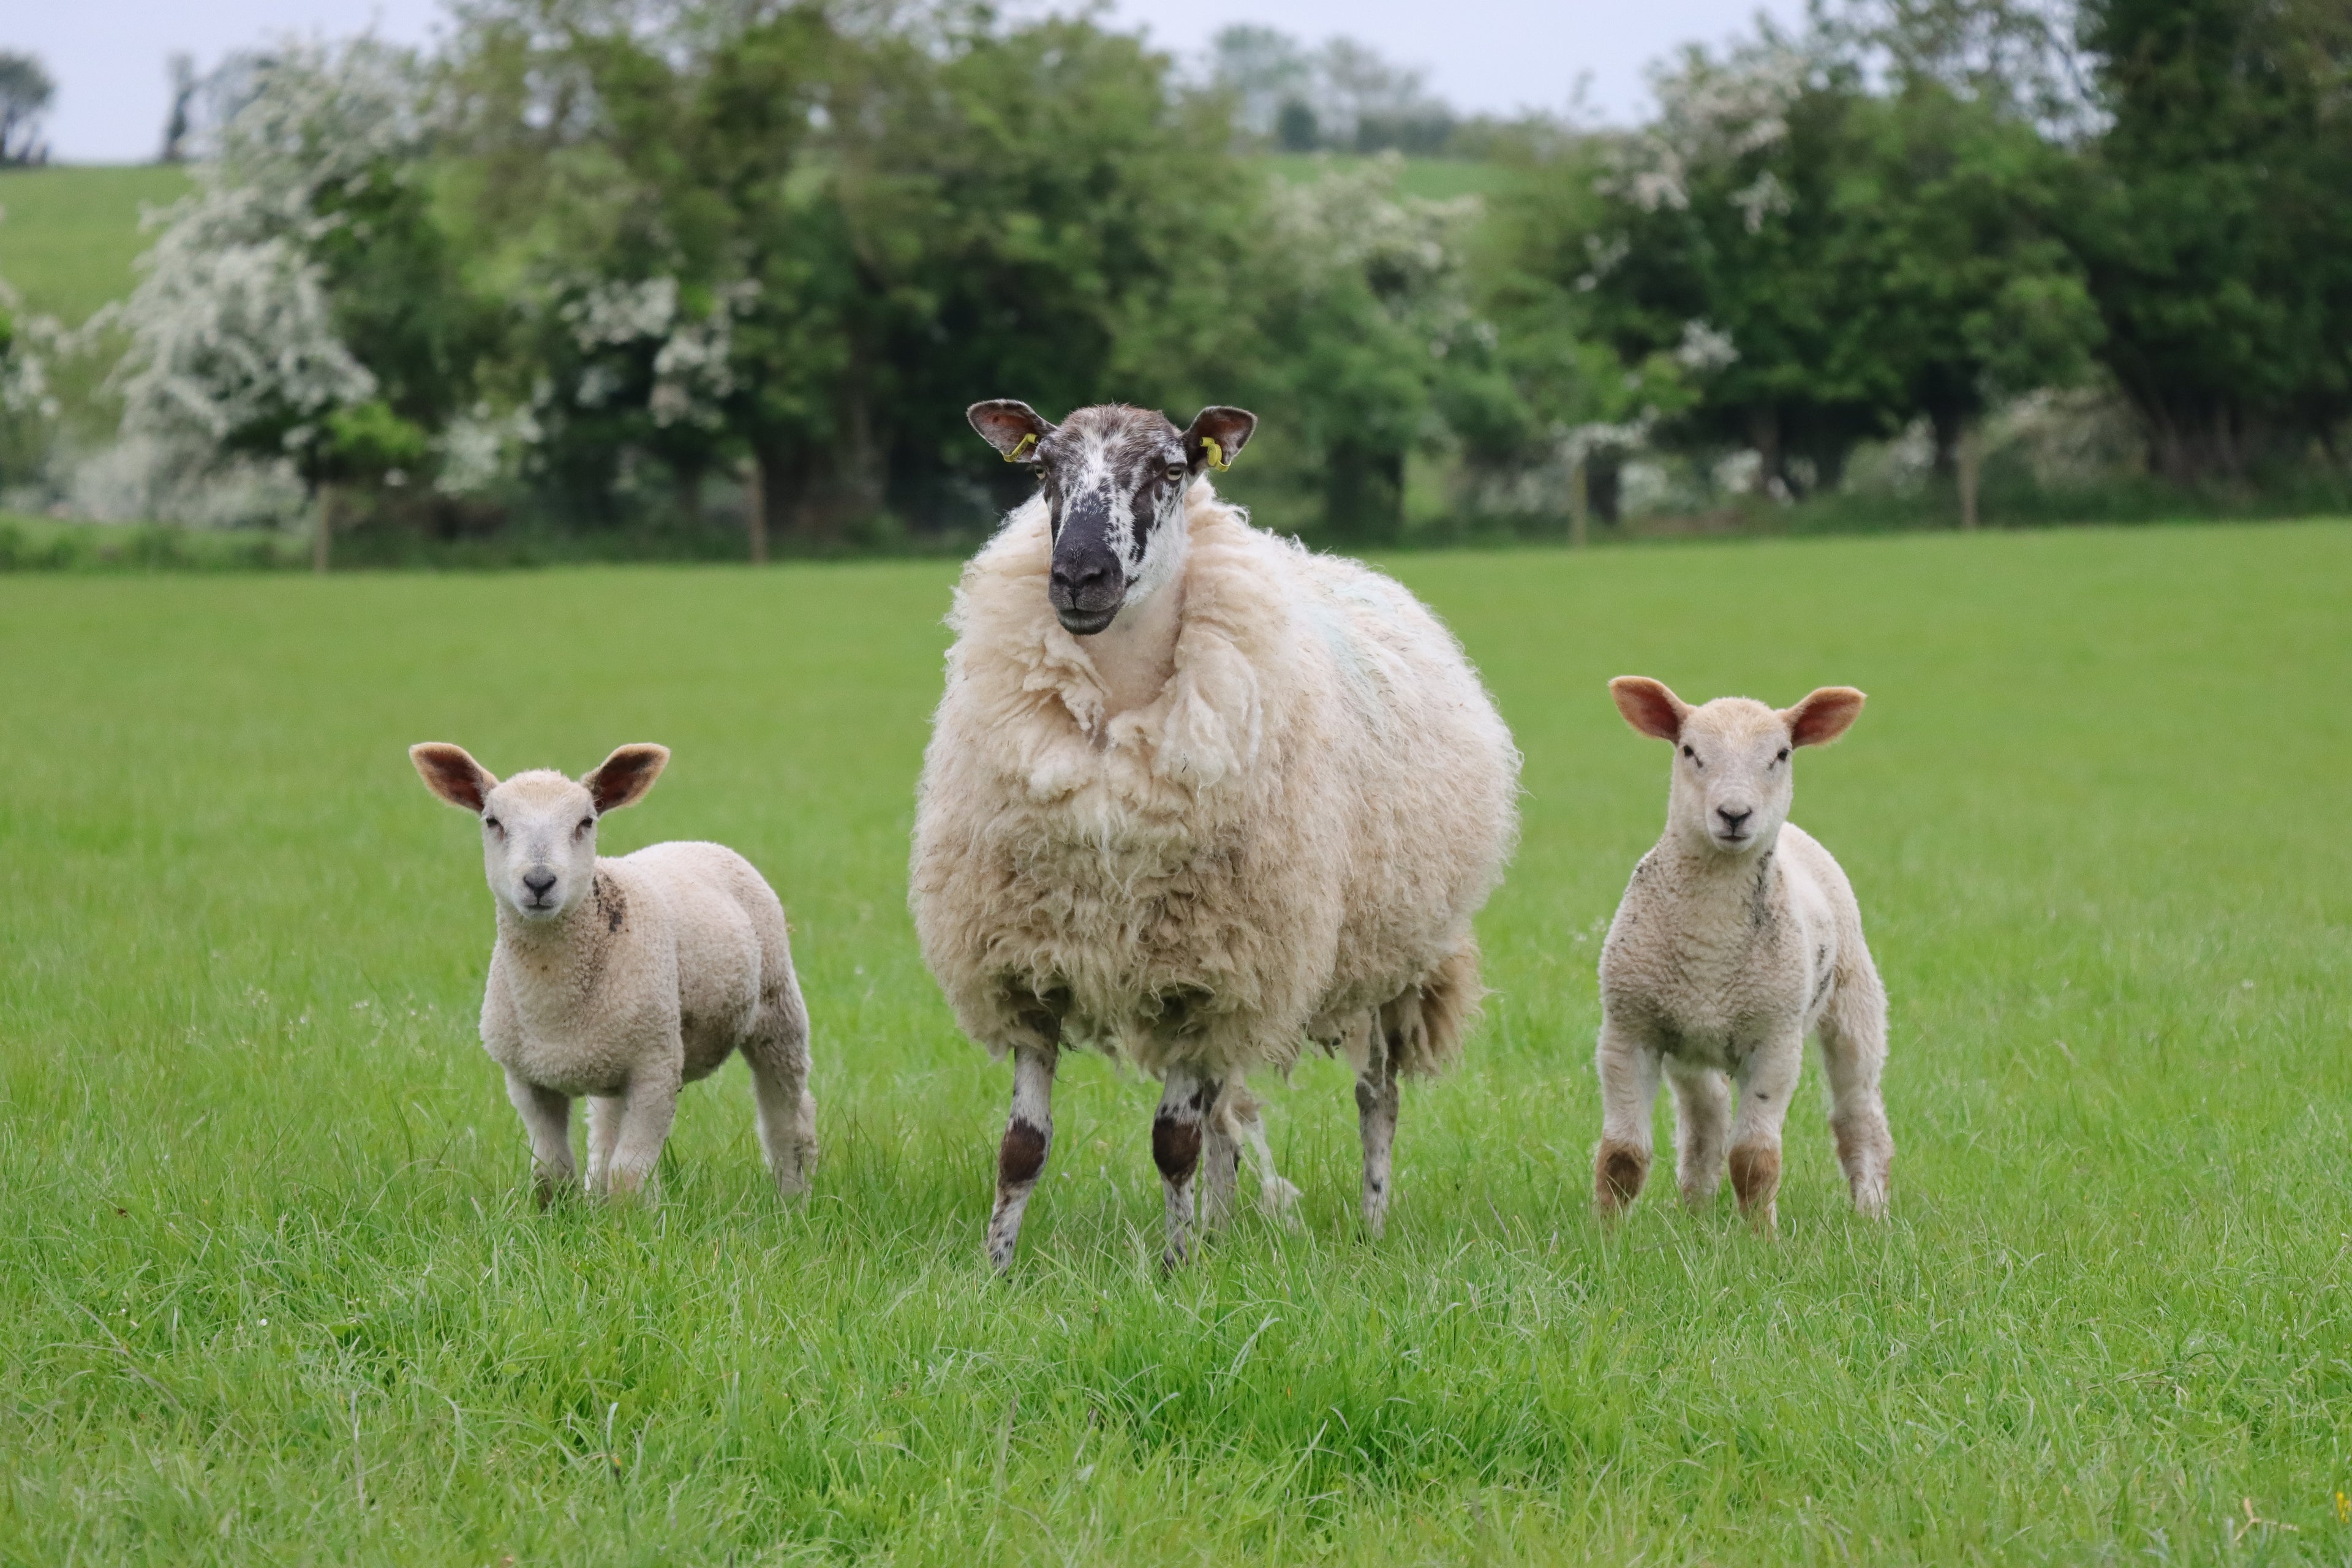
x=623 y=979
x=1193 y=797
x=1738 y=934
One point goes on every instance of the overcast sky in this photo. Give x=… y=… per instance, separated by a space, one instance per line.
x=107 y=56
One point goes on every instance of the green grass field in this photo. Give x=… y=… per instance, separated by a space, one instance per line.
x=271 y=1289
x=68 y=236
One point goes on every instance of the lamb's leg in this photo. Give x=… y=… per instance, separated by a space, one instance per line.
x=651 y=1106
x=1702 y=1121
x=1021 y=1159
x=1768 y=1081
x=1185 y=1105
x=547 y=1118
x=605 y=1111
x=1376 y=1120
x=779 y=1060
x=1238 y=1112
x=1629 y=1071
x=1853 y=1050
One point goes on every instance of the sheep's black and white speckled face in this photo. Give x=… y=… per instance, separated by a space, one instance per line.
x=1114 y=479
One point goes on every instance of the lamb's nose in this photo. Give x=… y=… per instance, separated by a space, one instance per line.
x=1734 y=820
x=539 y=882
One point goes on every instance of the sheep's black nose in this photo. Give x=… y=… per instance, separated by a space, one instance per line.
x=1733 y=819
x=1074 y=582
x=539 y=882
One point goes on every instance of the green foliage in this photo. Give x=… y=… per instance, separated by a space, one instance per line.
x=271 y=1287
x=2210 y=217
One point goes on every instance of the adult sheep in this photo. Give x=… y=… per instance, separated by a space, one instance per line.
x=1195 y=796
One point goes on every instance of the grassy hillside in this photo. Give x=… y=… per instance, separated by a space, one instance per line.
x=68 y=236
x=272 y=1288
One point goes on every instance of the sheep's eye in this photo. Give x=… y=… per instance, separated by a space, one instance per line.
x=1175 y=471
x=494 y=825
x=1784 y=754
x=1691 y=754
x=586 y=822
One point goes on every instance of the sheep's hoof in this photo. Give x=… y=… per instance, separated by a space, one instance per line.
x=1618 y=1172
x=1870 y=1200
x=1279 y=1200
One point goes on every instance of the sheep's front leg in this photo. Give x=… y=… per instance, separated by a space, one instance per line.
x=547 y=1118
x=1239 y=1122
x=1629 y=1071
x=605 y=1112
x=1702 y=1122
x=1768 y=1081
x=1376 y=1120
x=1185 y=1105
x=1021 y=1159
x=651 y=1106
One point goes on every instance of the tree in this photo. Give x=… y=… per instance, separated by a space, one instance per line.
x=25 y=91
x=2213 y=227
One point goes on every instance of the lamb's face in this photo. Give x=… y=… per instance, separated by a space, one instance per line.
x=1732 y=778
x=1734 y=773
x=1114 y=479
x=539 y=844
x=538 y=828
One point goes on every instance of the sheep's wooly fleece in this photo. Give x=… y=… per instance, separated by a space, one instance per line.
x=1292 y=833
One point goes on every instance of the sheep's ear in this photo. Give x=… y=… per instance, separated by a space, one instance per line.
x=623 y=778
x=1217 y=437
x=1650 y=706
x=453 y=775
x=1012 y=428
x=1823 y=716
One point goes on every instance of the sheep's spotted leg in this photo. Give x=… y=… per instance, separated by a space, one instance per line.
x=1185 y=1106
x=1854 y=1049
x=604 y=1133
x=547 y=1118
x=1629 y=1087
x=1768 y=1081
x=1702 y=1130
x=1221 y=1158
x=1376 y=1119
x=1021 y=1158
x=652 y=1106
x=1240 y=1111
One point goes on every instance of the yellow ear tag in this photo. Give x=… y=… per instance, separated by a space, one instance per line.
x=1217 y=454
x=1024 y=443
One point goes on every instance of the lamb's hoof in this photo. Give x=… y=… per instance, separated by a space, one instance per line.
x=1870 y=1200
x=1619 y=1170
x=1279 y=1200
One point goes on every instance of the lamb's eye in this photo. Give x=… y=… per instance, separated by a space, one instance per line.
x=586 y=824
x=1175 y=471
x=1784 y=754
x=1691 y=754
x=494 y=825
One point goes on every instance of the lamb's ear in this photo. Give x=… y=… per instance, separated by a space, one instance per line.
x=453 y=775
x=1217 y=437
x=1649 y=706
x=1823 y=716
x=623 y=778
x=1014 y=428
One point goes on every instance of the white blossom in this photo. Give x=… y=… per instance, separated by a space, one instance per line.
x=1703 y=349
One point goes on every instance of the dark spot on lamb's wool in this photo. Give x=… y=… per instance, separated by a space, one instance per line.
x=1021 y=1155
x=612 y=901
x=1760 y=908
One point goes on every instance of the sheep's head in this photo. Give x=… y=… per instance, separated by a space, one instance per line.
x=1733 y=778
x=1114 y=478
x=538 y=828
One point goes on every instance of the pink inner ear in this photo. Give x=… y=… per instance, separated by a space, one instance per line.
x=1823 y=717
x=1648 y=708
